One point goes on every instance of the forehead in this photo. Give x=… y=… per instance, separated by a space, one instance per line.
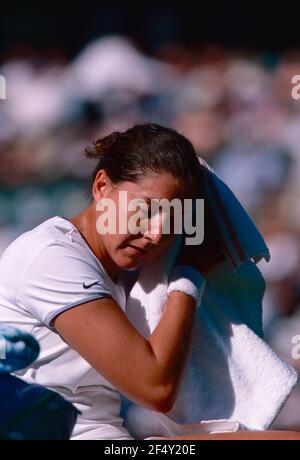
x=162 y=185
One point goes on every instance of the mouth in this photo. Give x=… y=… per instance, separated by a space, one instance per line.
x=138 y=250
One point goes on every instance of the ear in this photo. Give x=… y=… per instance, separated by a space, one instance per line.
x=101 y=185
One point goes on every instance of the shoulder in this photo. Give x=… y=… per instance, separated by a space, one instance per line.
x=59 y=272
x=55 y=238
x=55 y=256
x=56 y=246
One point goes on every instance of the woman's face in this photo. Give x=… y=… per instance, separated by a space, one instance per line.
x=130 y=251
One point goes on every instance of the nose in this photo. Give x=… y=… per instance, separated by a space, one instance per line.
x=153 y=237
x=154 y=232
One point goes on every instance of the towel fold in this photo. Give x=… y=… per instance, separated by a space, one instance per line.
x=239 y=237
x=233 y=378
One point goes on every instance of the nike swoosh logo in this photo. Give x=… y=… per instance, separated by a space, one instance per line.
x=87 y=286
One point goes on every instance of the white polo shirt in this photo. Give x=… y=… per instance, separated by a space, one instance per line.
x=42 y=273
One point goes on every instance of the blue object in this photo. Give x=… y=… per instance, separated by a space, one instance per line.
x=32 y=412
x=18 y=349
x=29 y=411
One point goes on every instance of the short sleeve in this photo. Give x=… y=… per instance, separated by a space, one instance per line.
x=58 y=278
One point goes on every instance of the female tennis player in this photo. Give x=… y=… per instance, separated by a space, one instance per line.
x=64 y=282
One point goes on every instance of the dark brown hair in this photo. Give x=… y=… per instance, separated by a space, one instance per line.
x=142 y=149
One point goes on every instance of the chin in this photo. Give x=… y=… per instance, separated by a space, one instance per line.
x=129 y=263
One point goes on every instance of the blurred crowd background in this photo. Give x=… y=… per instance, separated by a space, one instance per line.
x=229 y=93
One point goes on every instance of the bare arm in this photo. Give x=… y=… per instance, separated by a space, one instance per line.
x=146 y=371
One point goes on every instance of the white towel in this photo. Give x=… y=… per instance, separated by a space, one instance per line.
x=233 y=379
